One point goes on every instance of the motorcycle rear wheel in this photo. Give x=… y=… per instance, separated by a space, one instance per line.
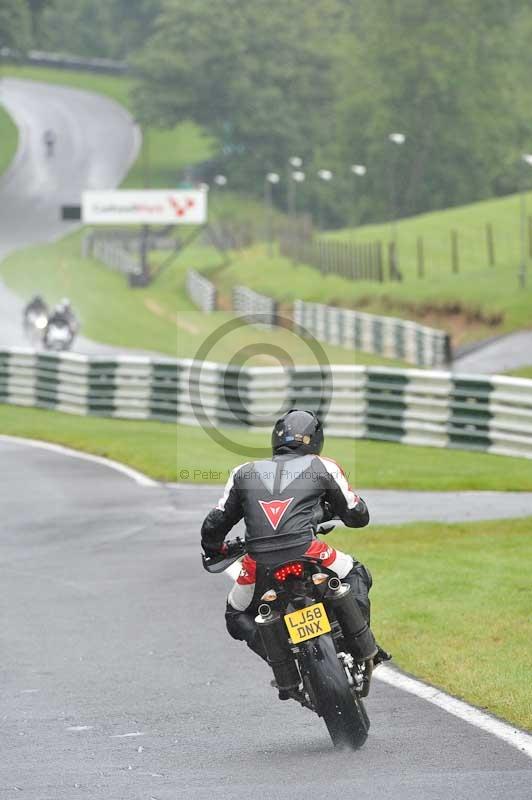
x=342 y=710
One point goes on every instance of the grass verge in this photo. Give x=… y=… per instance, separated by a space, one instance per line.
x=8 y=140
x=522 y=372
x=160 y=317
x=475 y=304
x=452 y=603
x=184 y=453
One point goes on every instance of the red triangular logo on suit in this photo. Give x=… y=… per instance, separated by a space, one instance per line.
x=274 y=510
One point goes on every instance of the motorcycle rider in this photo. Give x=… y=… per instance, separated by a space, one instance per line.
x=36 y=306
x=49 y=140
x=282 y=501
x=63 y=313
x=61 y=317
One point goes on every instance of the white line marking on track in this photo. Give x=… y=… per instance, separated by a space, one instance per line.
x=80 y=728
x=521 y=740
x=126 y=735
x=138 y=477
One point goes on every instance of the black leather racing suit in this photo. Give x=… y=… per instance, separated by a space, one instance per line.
x=281 y=501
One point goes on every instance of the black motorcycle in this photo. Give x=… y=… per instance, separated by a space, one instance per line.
x=317 y=641
x=58 y=335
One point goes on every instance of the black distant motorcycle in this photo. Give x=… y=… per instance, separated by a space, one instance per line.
x=58 y=335
x=317 y=641
x=35 y=320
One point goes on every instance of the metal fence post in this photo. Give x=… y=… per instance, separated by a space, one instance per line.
x=420 y=257
x=454 y=252
x=490 y=244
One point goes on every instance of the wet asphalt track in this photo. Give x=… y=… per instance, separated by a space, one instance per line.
x=97 y=141
x=501 y=354
x=119 y=681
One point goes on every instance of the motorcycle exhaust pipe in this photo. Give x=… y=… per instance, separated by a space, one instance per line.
x=274 y=635
x=356 y=632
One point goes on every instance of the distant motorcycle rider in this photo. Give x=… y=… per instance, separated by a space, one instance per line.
x=282 y=501
x=64 y=314
x=49 y=139
x=36 y=306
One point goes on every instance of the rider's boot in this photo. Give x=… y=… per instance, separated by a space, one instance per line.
x=360 y=581
x=381 y=656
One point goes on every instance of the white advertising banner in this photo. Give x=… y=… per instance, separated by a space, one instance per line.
x=134 y=207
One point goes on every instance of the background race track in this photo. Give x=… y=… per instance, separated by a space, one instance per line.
x=120 y=680
x=97 y=141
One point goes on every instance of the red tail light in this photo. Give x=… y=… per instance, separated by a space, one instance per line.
x=295 y=569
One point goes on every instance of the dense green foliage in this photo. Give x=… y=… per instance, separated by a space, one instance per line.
x=443 y=73
x=329 y=81
x=14 y=24
x=91 y=28
x=260 y=82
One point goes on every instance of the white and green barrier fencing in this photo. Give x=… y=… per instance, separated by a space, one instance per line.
x=411 y=406
x=370 y=333
x=255 y=308
x=391 y=337
x=201 y=291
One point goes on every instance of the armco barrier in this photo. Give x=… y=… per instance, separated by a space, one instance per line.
x=369 y=333
x=115 y=256
x=254 y=307
x=122 y=250
x=201 y=291
x=421 y=407
x=390 y=337
x=39 y=58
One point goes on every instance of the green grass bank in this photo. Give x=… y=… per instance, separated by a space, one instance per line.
x=158 y=318
x=186 y=453
x=452 y=604
x=475 y=304
x=8 y=140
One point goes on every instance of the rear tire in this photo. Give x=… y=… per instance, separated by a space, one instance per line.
x=342 y=710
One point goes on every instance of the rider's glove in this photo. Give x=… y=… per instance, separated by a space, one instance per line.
x=213 y=549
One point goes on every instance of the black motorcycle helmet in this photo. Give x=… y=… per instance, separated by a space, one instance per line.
x=298 y=430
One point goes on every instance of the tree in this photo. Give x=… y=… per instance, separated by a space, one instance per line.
x=437 y=72
x=97 y=28
x=260 y=82
x=14 y=24
x=36 y=9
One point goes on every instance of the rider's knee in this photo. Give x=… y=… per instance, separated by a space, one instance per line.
x=360 y=580
x=362 y=574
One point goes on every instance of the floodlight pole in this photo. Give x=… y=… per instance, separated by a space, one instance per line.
x=526 y=158
x=269 y=180
x=396 y=139
x=357 y=170
x=294 y=163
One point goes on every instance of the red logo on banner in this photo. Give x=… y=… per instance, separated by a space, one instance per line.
x=180 y=209
x=274 y=510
